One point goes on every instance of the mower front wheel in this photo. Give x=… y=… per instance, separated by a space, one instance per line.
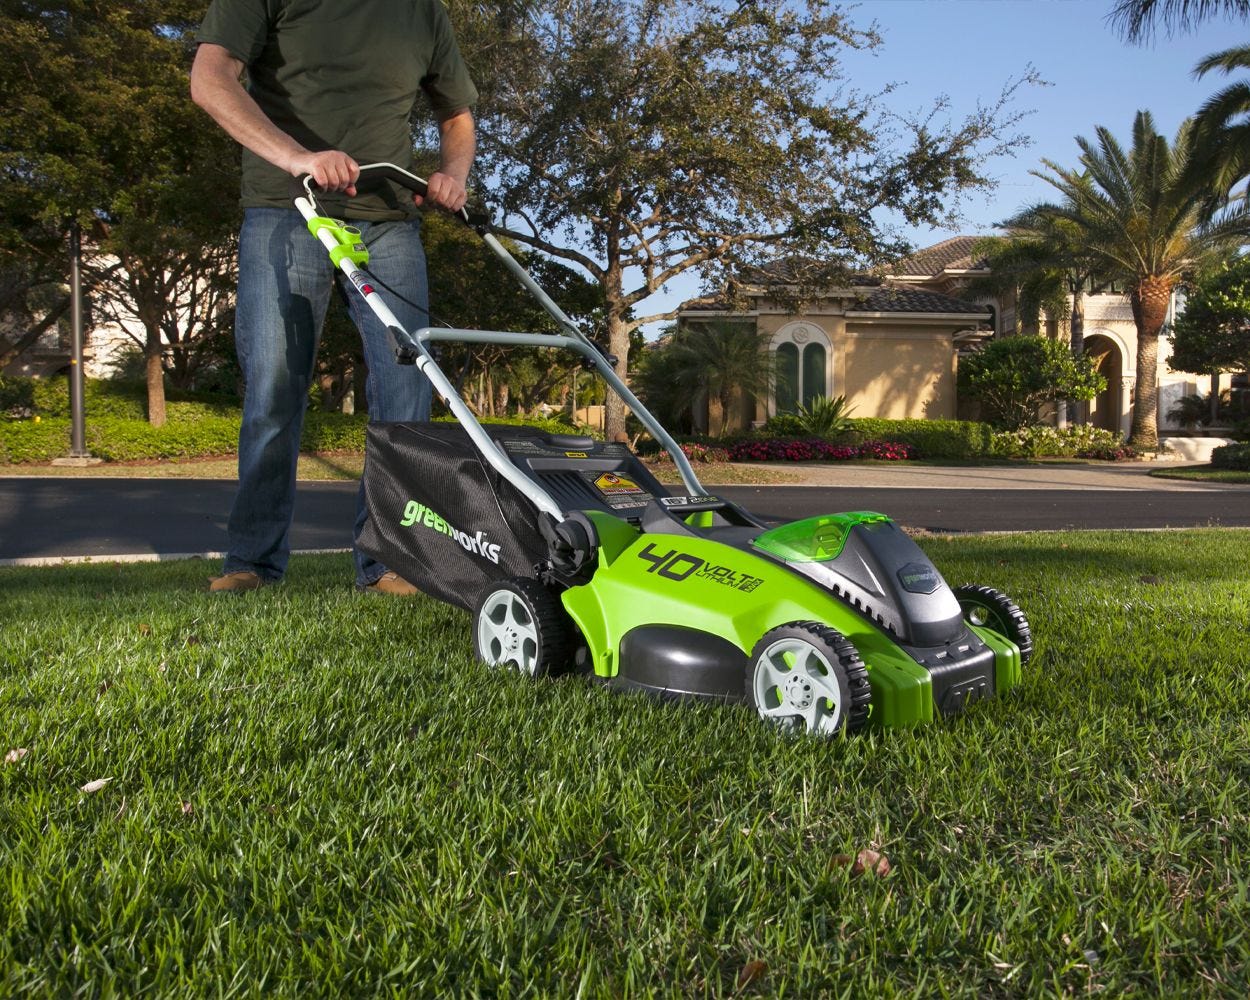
x=994 y=610
x=520 y=623
x=807 y=675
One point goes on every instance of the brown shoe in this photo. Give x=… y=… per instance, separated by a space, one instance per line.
x=391 y=583
x=235 y=582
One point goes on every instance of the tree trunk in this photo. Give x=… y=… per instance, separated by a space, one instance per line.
x=1078 y=410
x=156 y=388
x=1149 y=299
x=614 y=406
x=1215 y=397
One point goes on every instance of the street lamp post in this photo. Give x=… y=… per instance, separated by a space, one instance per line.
x=77 y=412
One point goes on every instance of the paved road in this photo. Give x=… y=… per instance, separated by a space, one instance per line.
x=50 y=519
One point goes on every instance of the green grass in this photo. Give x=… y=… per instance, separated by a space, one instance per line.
x=1203 y=474
x=370 y=811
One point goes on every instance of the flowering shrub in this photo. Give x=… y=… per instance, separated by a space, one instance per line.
x=696 y=452
x=1111 y=453
x=815 y=450
x=1041 y=440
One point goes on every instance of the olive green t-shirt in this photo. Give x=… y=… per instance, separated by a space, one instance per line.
x=341 y=74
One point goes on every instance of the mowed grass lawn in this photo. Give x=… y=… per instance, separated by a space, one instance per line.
x=317 y=793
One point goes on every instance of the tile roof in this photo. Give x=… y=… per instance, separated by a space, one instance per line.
x=953 y=254
x=908 y=300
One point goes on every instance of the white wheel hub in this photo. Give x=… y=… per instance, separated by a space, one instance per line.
x=507 y=633
x=794 y=682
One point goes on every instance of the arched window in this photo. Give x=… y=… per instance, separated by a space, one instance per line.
x=787 y=378
x=801 y=351
x=813 y=373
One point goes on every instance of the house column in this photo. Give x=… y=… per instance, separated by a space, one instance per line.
x=1127 y=384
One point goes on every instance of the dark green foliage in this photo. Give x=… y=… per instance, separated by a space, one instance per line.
x=719 y=361
x=1232 y=456
x=782 y=425
x=316 y=794
x=1013 y=377
x=954 y=439
x=1212 y=334
x=105 y=132
x=825 y=417
x=1138 y=20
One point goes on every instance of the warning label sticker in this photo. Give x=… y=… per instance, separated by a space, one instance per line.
x=612 y=485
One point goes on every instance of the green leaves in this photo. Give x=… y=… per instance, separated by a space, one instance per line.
x=1212 y=334
x=1012 y=378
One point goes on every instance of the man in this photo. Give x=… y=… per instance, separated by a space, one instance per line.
x=331 y=85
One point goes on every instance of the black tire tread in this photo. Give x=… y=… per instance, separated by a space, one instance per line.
x=1016 y=625
x=555 y=631
x=846 y=658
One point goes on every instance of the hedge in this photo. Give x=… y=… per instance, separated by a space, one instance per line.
x=930 y=438
x=103 y=398
x=1231 y=456
x=193 y=431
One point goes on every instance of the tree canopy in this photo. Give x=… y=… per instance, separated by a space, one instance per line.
x=649 y=138
x=1212 y=334
x=105 y=132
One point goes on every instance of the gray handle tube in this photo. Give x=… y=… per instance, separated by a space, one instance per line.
x=653 y=426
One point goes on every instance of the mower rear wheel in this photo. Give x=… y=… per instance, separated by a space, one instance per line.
x=806 y=675
x=996 y=611
x=520 y=623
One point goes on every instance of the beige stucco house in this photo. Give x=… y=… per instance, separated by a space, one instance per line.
x=891 y=345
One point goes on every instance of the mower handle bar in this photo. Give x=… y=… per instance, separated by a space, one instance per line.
x=303 y=192
x=304 y=185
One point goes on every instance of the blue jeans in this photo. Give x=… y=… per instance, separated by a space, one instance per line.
x=285 y=280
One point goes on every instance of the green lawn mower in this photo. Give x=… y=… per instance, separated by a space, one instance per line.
x=571 y=556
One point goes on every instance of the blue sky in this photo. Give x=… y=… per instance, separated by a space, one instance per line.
x=968 y=49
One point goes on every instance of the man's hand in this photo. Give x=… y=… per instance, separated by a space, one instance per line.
x=332 y=170
x=444 y=191
x=457 y=141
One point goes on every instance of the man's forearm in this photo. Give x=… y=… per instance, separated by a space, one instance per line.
x=457 y=143
x=216 y=88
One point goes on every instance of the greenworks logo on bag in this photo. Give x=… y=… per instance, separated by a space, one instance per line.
x=419 y=514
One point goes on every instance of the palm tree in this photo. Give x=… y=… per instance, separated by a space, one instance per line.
x=1140 y=214
x=721 y=358
x=1041 y=261
x=1221 y=130
x=1136 y=19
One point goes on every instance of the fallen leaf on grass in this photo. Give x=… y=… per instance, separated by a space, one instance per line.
x=13 y=756
x=188 y=809
x=94 y=786
x=871 y=862
x=145 y=629
x=751 y=972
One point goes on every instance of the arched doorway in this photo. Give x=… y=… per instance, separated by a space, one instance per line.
x=1104 y=409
